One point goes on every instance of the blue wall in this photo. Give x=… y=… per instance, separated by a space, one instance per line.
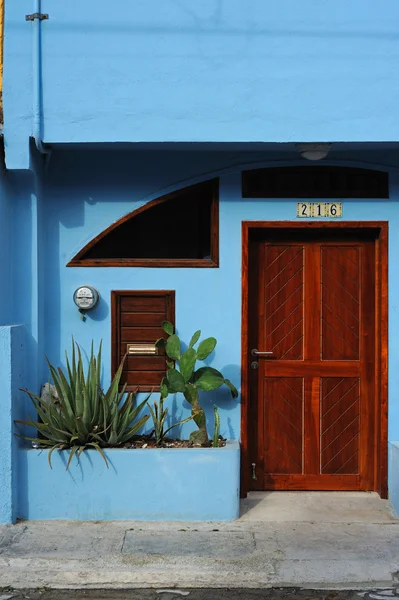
x=16 y=231
x=7 y=464
x=393 y=475
x=85 y=191
x=189 y=485
x=57 y=210
x=204 y=89
x=204 y=71
x=5 y=250
x=12 y=404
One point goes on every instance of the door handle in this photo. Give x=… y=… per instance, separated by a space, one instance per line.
x=256 y=352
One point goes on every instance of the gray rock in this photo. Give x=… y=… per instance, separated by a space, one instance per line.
x=48 y=392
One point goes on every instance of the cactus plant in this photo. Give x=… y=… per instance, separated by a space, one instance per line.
x=182 y=376
x=216 y=429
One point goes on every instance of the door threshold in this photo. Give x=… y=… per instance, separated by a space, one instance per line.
x=316 y=507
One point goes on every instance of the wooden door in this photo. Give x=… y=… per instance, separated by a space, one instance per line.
x=313 y=306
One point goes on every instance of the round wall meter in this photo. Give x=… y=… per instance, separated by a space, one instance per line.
x=86 y=297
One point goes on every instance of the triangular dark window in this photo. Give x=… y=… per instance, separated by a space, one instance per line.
x=180 y=229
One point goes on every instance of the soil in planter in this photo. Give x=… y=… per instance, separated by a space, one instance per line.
x=145 y=441
x=149 y=442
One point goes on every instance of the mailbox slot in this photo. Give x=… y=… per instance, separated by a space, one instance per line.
x=142 y=349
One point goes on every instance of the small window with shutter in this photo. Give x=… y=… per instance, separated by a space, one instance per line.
x=137 y=318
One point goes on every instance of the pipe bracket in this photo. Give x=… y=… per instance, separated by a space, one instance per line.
x=37 y=15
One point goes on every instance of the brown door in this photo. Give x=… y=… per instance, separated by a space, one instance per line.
x=312 y=305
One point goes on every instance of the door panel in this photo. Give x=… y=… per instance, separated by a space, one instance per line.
x=340 y=319
x=283 y=423
x=340 y=425
x=283 y=301
x=314 y=402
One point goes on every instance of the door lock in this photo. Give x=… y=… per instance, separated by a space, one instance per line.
x=254 y=364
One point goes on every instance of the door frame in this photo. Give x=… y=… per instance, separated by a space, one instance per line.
x=380 y=230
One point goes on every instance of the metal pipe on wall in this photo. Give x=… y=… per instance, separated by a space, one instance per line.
x=37 y=80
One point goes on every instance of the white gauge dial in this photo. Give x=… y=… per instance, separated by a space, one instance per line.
x=86 y=297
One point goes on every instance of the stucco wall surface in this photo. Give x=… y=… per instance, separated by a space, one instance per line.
x=12 y=372
x=6 y=462
x=204 y=71
x=393 y=475
x=200 y=484
x=5 y=248
x=85 y=192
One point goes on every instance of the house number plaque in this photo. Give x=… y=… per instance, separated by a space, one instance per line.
x=319 y=209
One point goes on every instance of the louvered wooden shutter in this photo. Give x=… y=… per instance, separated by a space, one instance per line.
x=137 y=317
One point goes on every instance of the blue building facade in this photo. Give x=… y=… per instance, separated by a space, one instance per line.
x=106 y=112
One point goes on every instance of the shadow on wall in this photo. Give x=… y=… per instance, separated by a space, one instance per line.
x=26 y=248
x=123 y=179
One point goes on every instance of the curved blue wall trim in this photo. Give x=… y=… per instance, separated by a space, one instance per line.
x=227 y=170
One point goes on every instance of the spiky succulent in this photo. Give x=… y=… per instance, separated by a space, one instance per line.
x=83 y=416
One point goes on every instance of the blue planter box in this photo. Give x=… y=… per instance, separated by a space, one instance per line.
x=171 y=484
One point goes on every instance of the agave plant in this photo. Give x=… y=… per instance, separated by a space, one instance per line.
x=182 y=376
x=83 y=416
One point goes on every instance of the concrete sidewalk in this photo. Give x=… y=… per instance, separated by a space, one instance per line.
x=283 y=539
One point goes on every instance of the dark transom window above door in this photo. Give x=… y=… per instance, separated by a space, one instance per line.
x=315 y=182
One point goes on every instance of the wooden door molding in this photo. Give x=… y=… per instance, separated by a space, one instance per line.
x=379 y=230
